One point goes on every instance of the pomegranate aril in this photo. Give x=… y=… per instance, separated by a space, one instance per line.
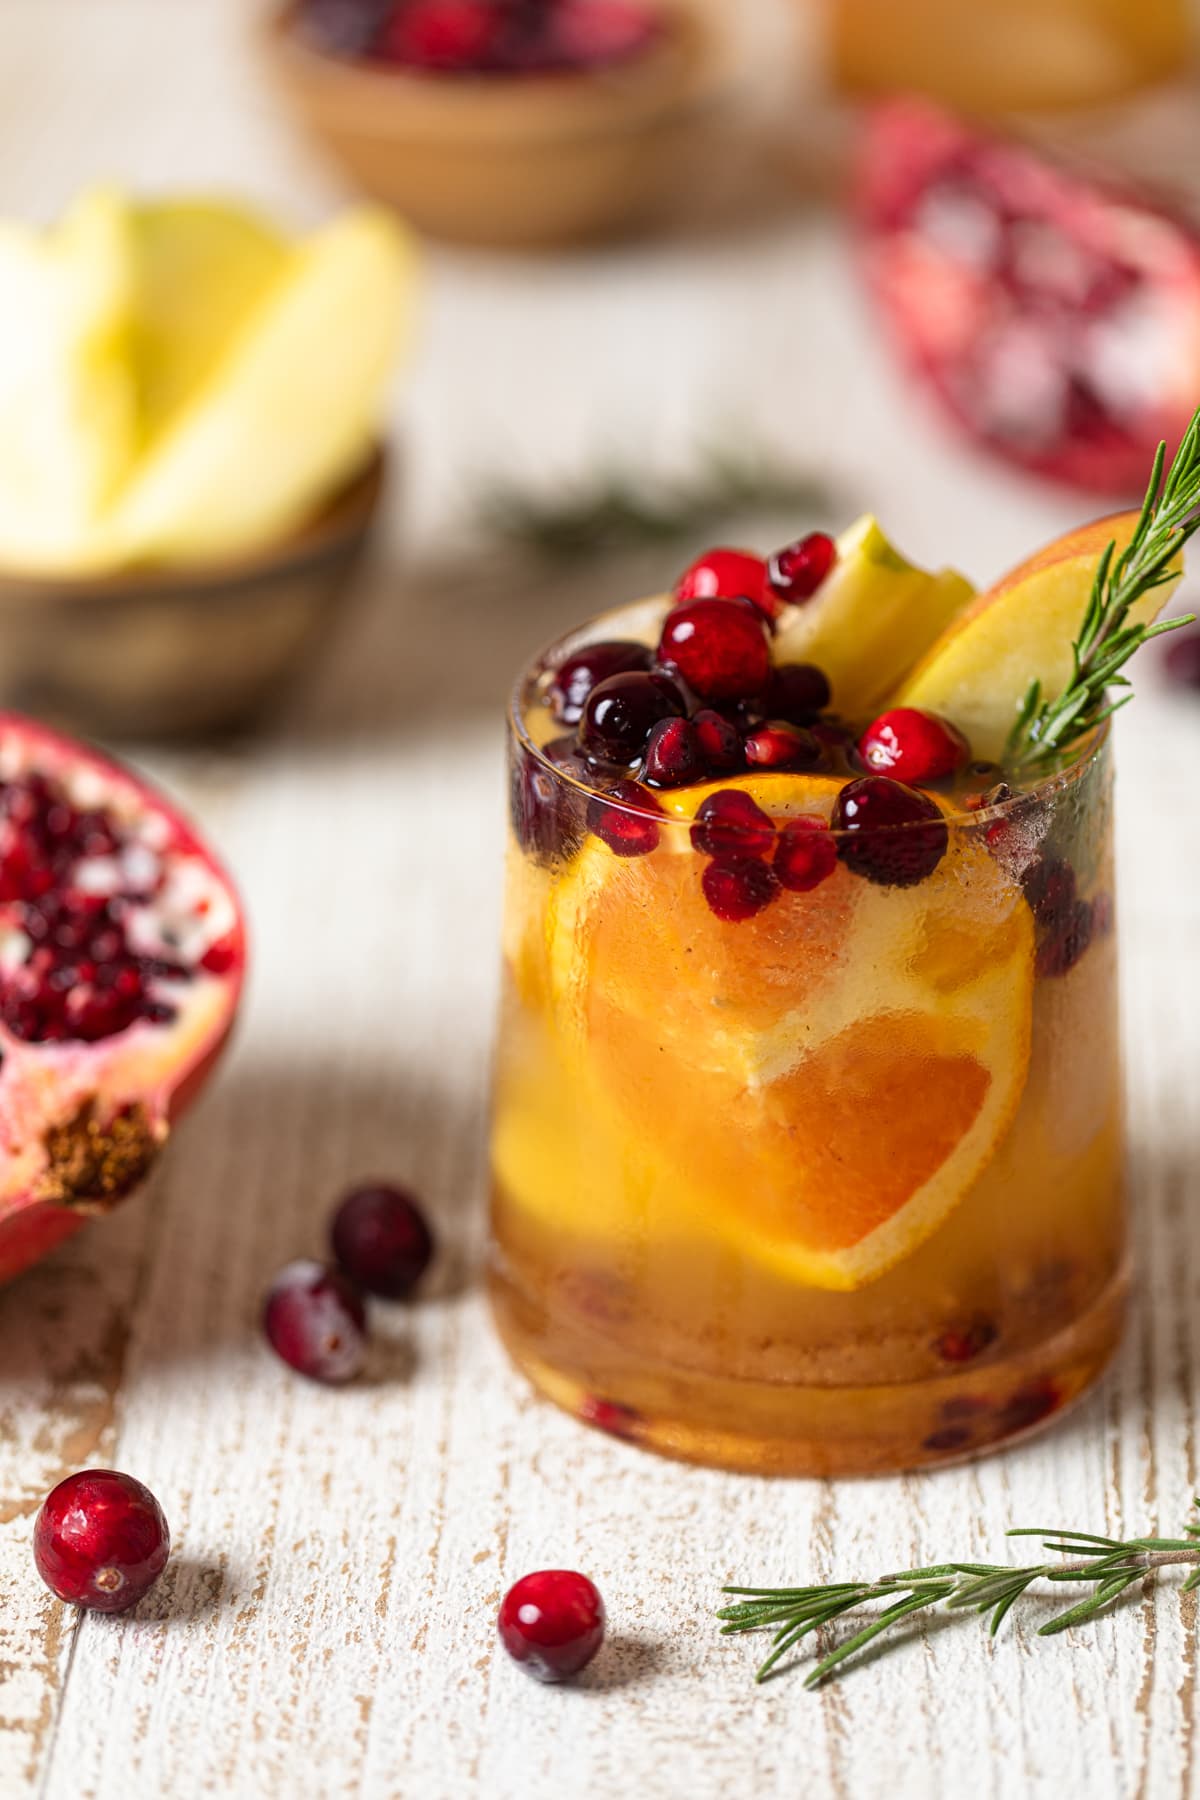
x=620 y=819
x=947 y=1438
x=781 y=746
x=731 y=823
x=724 y=574
x=738 y=887
x=622 y=710
x=962 y=1343
x=315 y=1322
x=720 y=740
x=805 y=856
x=610 y=1415
x=441 y=35
x=100 y=1540
x=797 y=571
x=720 y=647
x=1029 y=1405
x=546 y=811
x=552 y=1623
x=798 y=693
x=575 y=678
x=913 y=746
x=889 y=833
x=381 y=1240
x=1061 y=949
x=674 y=755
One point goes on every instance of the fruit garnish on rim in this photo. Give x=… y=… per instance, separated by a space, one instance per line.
x=808 y=1105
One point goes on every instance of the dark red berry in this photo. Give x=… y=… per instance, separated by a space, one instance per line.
x=1061 y=948
x=575 y=678
x=778 y=745
x=674 y=755
x=724 y=575
x=586 y=34
x=805 y=855
x=797 y=571
x=947 y=1438
x=100 y=1540
x=610 y=1415
x=1064 y=922
x=730 y=823
x=1183 y=658
x=314 y=1319
x=889 y=833
x=1029 y=1405
x=552 y=1623
x=446 y=35
x=625 y=819
x=622 y=710
x=720 y=739
x=381 y=1241
x=547 y=811
x=962 y=1343
x=914 y=746
x=798 y=692
x=720 y=647
x=738 y=887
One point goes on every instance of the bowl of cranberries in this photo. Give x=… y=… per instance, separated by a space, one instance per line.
x=519 y=123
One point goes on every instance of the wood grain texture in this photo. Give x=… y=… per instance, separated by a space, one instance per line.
x=325 y=1627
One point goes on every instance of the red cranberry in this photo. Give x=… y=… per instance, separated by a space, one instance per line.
x=730 y=823
x=724 y=575
x=1029 y=1405
x=720 y=740
x=892 y=835
x=446 y=35
x=962 y=1343
x=781 y=746
x=720 y=648
x=590 y=33
x=552 y=1623
x=100 y=1540
x=914 y=746
x=1183 y=658
x=314 y=1319
x=797 y=571
x=805 y=855
x=625 y=819
x=674 y=755
x=547 y=813
x=799 y=691
x=622 y=710
x=738 y=887
x=381 y=1241
x=575 y=678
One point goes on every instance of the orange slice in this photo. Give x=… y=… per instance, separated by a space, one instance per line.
x=820 y=1085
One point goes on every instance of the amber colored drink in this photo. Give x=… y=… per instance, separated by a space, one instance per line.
x=833 y=1188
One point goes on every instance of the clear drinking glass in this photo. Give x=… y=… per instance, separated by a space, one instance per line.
x=836 y=1188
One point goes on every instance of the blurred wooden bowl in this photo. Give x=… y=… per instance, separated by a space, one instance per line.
x=518 y=161
x=170 y=653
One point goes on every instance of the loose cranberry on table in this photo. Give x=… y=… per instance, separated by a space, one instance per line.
x=100 y=1540
x=314 y=1320
x=889 y=833
x=381 y=1240
x=720 y=647
x=914 y=746
x=552 y=1623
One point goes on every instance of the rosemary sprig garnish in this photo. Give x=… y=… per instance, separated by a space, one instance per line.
x=1106 y=641
x=624 y=508
x=1105 y=1564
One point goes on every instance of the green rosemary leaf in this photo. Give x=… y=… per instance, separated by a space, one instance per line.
x=891 y=1616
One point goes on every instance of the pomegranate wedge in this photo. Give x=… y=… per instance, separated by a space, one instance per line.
x=122 y=951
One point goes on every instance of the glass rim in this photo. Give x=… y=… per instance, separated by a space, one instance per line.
x=1083 y=754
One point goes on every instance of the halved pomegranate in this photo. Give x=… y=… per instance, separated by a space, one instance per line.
x=1055 y=317
x=122 y=951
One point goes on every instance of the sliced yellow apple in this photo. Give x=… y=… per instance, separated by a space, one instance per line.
x=201 y=268
x=871 y=619
x=1019 y=631
x=285 y=412
x=68 y=408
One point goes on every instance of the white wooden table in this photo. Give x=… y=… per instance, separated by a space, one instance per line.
x=326 y=1624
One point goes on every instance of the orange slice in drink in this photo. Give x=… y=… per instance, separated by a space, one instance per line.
x=819 y=1085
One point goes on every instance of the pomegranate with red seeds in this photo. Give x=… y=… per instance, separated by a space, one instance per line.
x=122 y=952
x=914 y=746
x=1055 y=318
x=100 y=1540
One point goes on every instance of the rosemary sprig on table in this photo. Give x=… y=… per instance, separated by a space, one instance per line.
x=1106 y=641
x=1106 y=1564
x=623 y=508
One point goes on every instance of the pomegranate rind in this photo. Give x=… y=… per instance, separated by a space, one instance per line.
x=944 y=303
x=81 y=1124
